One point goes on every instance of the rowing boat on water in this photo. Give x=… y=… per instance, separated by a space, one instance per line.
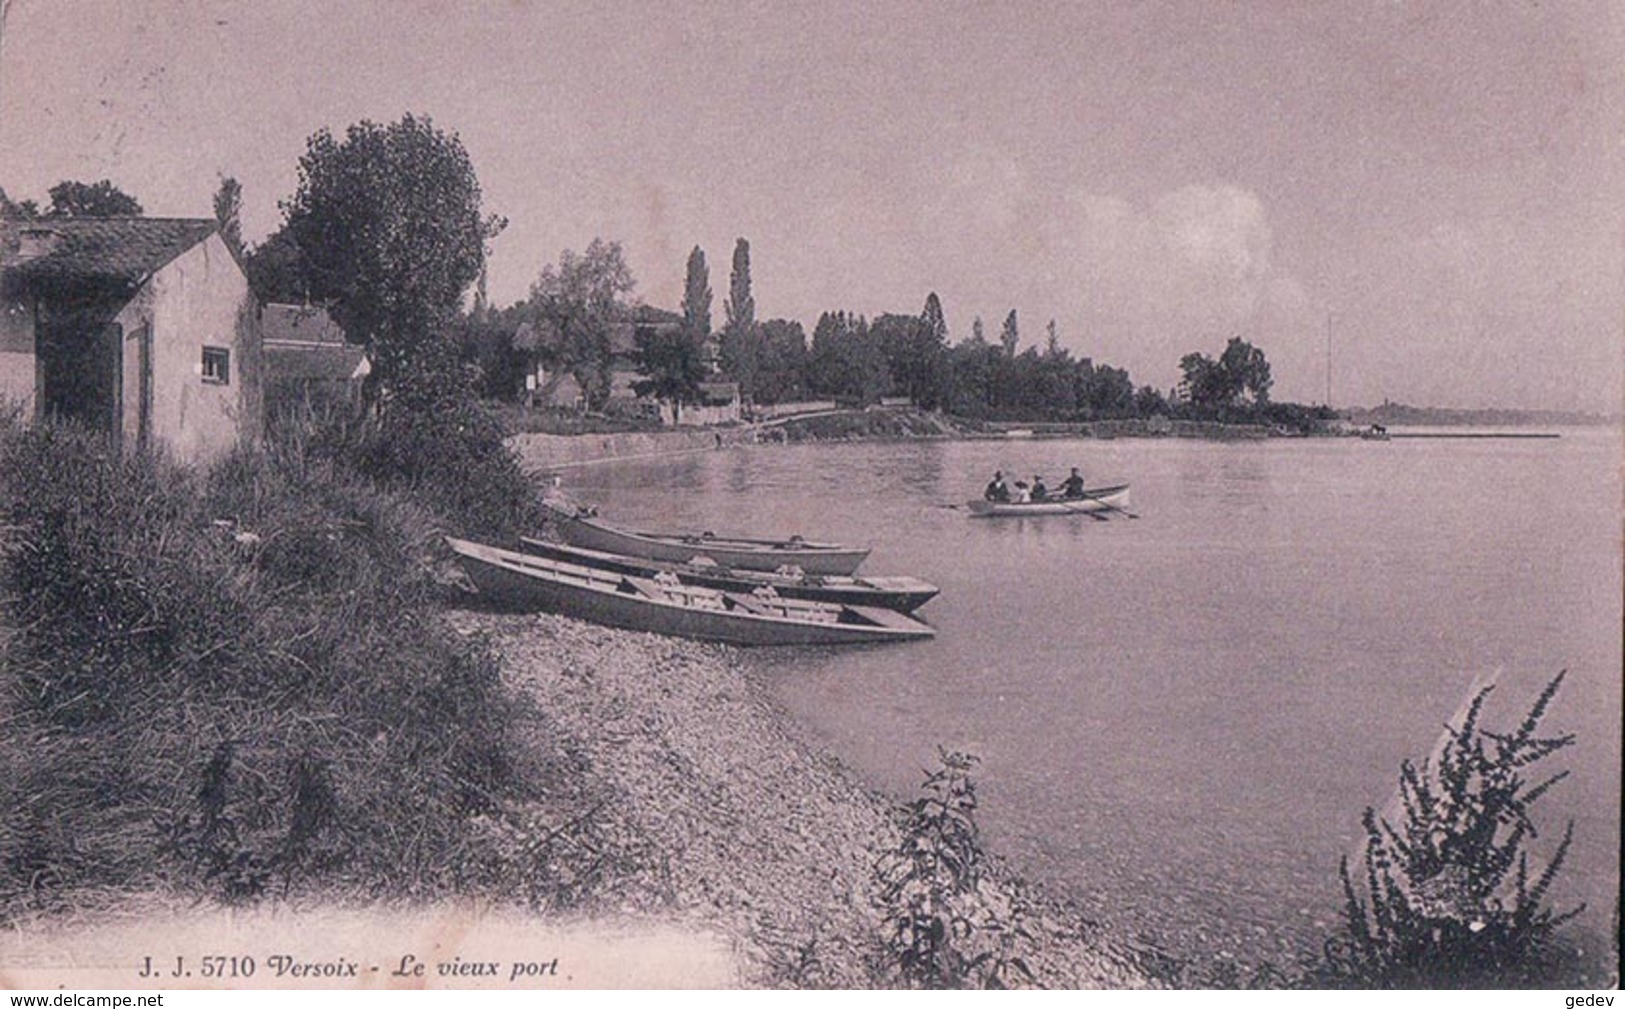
x=584 y=530
x=894 y=592
x=1099 y=499
x=520 y=581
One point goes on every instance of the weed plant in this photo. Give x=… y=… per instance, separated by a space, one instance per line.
x=945 y=924
x=1449 y=895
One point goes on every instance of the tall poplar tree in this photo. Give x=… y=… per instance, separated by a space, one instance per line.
x=741 y=307
x=697 y=297
x=228 y=210
x=741 y=343
x=1009 y=336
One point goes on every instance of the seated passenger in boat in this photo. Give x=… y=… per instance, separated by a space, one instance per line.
x=1072 y=486
x=996 y=489
x=1040 y=492
x=1023 y=493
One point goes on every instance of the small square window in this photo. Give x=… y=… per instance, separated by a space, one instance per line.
x=217 y=365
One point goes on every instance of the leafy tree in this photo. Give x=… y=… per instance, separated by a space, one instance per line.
x=972 y=367
x=846 y=359
x=1221 y=384
x=978 y=331
x=697 y=296
x=27 y=209
x=278 y=271
x=485 y=341
x=1149 y=402
x=781 y=372
x=899 y=340
x=228 y=209
x=1111 y=392
x=1206 y=383
x=573 y=308
x=97 y=199
x=1247 y=369
x=741 y=356
x=1052 y=342
x=390 y=225
x=673 y=362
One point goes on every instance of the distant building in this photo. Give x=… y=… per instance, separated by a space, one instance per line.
x=141 y=327
x=549 y=384
x=309 y=364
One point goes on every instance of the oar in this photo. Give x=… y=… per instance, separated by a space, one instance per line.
x=1108 y=504
x=1079 y=511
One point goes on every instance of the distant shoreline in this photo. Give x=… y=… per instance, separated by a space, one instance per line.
x=1400 y=415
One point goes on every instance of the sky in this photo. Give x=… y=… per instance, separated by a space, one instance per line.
x=1420 y=202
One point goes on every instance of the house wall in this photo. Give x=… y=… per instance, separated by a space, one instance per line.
x=18 y=375
x=200 y=299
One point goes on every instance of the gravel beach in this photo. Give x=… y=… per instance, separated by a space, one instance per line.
x=708 y=805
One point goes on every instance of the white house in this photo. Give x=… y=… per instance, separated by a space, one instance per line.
x=142 y=327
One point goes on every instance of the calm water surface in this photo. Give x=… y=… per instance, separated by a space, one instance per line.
x=1180 y=718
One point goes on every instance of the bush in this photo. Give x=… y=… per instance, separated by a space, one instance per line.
x=435 y=440
x=1448 y=895
x=946 y=926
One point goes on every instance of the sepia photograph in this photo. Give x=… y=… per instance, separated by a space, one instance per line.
x=501 y=495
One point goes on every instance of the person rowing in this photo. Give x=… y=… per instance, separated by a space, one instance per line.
x=1072 y=486
x=996 y=488
x=1039 y=492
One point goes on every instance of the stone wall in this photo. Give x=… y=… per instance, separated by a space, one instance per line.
x=542 y=452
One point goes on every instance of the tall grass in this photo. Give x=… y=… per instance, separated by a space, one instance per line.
x=233 y=681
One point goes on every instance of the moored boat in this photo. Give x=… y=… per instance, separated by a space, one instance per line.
x=520 y=581
x=1097 y=501
x=582 y=529
x=894 y=592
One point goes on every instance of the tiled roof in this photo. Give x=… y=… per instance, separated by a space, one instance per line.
x=300 y=324
x=324 y=363
x=128 y=249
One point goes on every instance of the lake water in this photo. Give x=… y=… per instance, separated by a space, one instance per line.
x=1181 y=717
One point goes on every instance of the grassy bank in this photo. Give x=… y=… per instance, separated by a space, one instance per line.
x=233 y=682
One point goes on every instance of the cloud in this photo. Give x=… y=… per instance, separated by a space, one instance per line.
x=1185 y=270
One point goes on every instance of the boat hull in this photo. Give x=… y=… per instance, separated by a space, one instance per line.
x=899 y=593
x=518 y=581
x=1098 y=500
x=751 y=555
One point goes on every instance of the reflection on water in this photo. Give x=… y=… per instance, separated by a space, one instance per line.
x=1181 y=717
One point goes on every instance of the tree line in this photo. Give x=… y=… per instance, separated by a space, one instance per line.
x=386 y=230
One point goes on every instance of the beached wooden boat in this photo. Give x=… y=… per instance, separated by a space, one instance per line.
x=519 y=581
x=1099 y=500
x=895 y=592
x=582 y=529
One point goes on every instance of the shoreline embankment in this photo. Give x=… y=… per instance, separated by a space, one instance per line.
x=539 y=452
x=723 y=815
